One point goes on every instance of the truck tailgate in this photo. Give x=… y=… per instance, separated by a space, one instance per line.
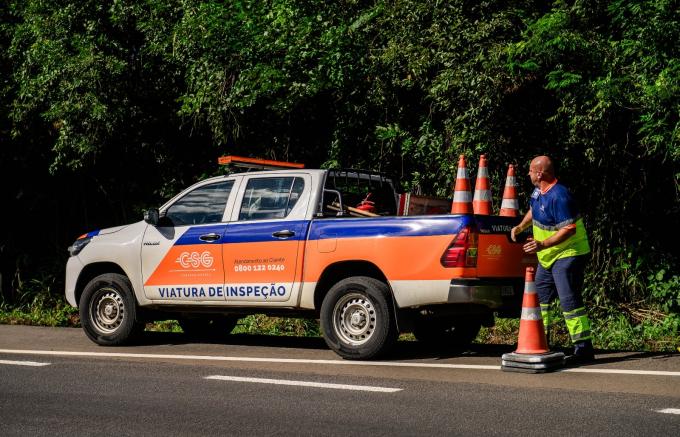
x=498 y=256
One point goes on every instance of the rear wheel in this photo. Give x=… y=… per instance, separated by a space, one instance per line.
x=357 y=318
x=108 y=310
x=208 y=327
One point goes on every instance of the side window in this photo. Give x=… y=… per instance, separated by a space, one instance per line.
x=203 y=205
x=270 y=198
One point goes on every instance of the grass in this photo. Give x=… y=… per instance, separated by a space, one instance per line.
x=38 y=305
x=261 y=324
x=256 y=324
x=613 y=331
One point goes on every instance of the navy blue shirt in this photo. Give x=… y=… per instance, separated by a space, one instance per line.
x=553 y=209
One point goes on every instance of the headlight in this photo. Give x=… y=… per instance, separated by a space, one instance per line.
x=78 y=245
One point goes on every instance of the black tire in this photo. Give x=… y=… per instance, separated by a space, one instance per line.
x=207 y=327
x=357 y=318
x=447 y=333
x=108 y=310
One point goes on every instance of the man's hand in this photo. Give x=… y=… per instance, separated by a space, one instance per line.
x=513 y=233
x=533 y=246
x=521 y=227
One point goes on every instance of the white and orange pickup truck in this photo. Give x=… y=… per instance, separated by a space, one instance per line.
x=287 y=242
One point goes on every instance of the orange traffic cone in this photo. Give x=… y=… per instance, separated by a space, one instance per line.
x=509 y=205
x=532 y=354
x=482 y=200
x=532 y=338
x=462 y=202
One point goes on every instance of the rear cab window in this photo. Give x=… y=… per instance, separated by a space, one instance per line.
x=273 y=198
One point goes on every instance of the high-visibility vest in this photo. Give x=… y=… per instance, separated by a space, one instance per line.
x=551 y=211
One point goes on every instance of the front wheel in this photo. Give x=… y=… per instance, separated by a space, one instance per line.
x=108 y=310
x=357 y=318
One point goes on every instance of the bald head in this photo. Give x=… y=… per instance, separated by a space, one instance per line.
x=544 y=164
x=541 y=171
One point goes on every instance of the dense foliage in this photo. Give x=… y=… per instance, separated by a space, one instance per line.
x=107 y=107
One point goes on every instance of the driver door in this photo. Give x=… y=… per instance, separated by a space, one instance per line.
x=182 y=256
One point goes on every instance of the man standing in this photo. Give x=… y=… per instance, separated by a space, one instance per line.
x=561 y=244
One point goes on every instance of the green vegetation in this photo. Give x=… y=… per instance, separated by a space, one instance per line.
x=260 y=324
x=108 y=108
x=39 y=304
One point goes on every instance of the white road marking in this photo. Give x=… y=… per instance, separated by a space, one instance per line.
x=305 y=384
x=623 y=372
x=249 y=359
x=24 y=363
x=669 y=411
x=327 y=362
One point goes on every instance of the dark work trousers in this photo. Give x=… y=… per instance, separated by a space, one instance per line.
x=564 y=279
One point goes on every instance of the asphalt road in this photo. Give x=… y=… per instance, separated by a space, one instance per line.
x=54 y=381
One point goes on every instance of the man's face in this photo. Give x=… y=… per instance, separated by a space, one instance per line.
x=535 y=173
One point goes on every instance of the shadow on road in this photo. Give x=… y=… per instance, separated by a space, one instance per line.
x=175 y=338
x=403 y=350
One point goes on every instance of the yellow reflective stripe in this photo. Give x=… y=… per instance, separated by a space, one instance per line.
x=581 y=337
x=546 y=320
x=578 y=324
x=579 y=312
x=575 y=245
x=545 y=314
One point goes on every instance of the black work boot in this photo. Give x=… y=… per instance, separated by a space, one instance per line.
x=583 y=353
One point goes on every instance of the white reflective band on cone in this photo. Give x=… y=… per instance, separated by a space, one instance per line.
x=462 y=196
x=531 y=314
x=482 y=195
x=530 y=287
x=510 y=204
x=510 y=180
x=462 y=173
x=483 y=172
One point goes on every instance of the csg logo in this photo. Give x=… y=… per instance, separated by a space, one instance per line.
x=195 y=260
x=494 y=249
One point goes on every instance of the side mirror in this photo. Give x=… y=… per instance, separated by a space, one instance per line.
x=151 y=216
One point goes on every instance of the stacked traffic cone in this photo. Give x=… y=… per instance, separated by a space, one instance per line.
x=532 y=338
x=509 y=205
x=532 y=354
x=481 y=203
x=462 y=202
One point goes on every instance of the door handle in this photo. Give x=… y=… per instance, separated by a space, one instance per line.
x=210 y=237
x=283 y=234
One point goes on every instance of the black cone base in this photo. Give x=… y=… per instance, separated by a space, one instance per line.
x=532 y=363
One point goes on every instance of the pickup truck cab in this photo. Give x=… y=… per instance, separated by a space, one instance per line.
x=294 y=243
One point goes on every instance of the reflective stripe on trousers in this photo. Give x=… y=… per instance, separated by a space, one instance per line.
x=545 y=313
x=578 y=324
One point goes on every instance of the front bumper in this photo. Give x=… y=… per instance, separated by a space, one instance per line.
x=73 y=268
